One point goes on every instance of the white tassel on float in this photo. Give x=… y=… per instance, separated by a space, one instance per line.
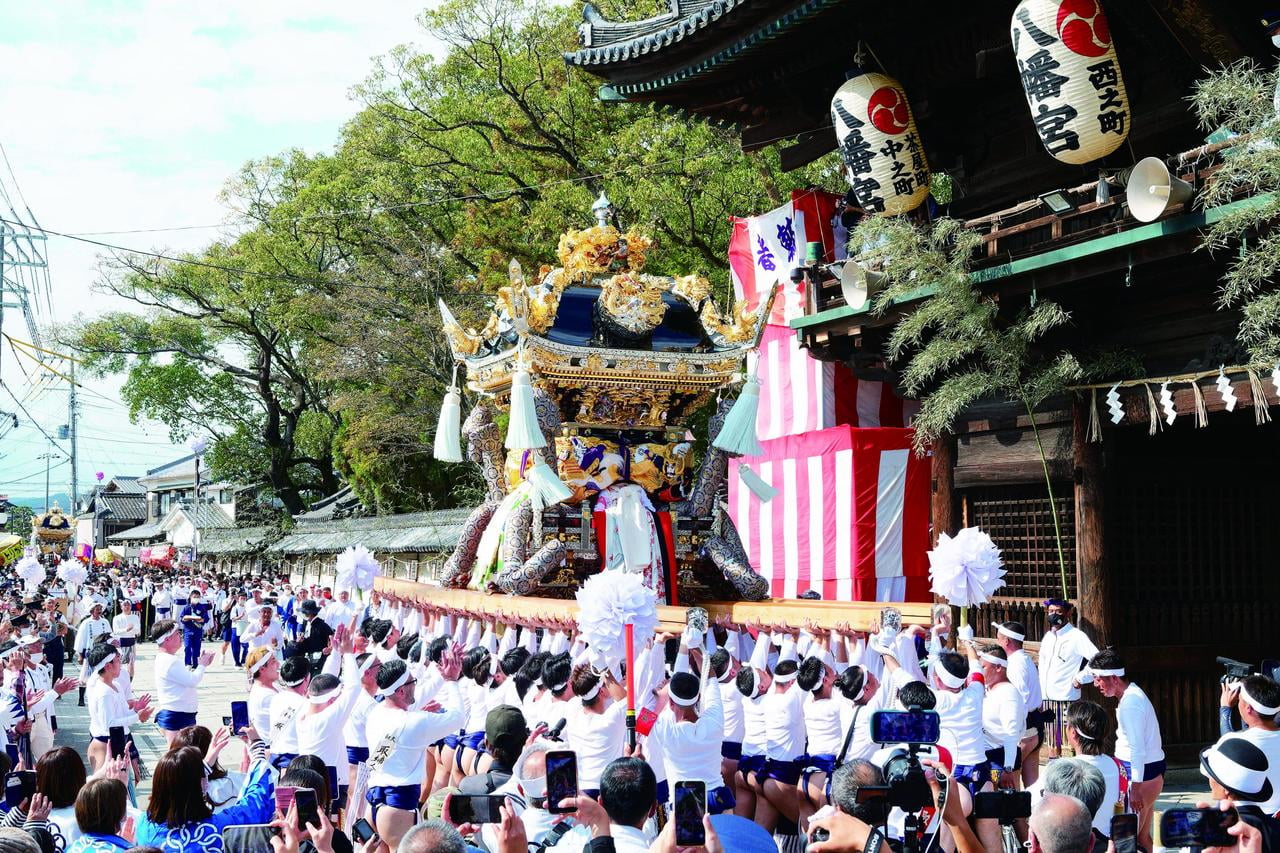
x=448 y=444
x=738 y=435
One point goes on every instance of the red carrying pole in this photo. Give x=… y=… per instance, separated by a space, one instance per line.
x=628 y=633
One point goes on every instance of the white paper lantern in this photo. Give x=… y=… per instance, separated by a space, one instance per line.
x=1071 y=77
x=881 y=147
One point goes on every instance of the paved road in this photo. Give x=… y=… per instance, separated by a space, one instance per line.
x=224 y=683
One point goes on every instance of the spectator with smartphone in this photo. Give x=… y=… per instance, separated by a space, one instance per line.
x=1138 y=744
x=1257 y=698
x=628 y=793
x=179 y=816
x=505 y=732
x=223 y=787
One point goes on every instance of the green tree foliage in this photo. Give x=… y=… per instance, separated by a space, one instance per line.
x=1241 y=97
x=19 y=523
x=955 y=345
x=452 y=166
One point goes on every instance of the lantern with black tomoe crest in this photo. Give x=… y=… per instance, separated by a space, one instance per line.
x=1071 y=77
x=881 y=147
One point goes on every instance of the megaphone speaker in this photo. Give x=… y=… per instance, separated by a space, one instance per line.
x=858 y=284
x=1152 y=190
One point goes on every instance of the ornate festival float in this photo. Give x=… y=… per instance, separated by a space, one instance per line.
x=600 y=369
x=52 y=533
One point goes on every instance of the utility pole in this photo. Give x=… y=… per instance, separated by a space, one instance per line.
x=73 y=411
x=47 y=457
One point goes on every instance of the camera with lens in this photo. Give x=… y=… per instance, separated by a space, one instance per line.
x=905 y=784
x=1235 y=670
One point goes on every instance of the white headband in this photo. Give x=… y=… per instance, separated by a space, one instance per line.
x=167 y=634
x=369 y=661
x=955 y=682
x=395 y=685
x=866 y=682
x=1264 y=710
x=682 y=702
x=593 y=692
x=253 y=670
x=785 y=679
x=1118 y=673
x=1013 y=635
x=98 y=667
x=990 y=658
x=284 y=683
x=557 y=688
x=326 y=696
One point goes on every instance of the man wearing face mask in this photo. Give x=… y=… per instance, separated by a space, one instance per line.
x=1065 y=650
x=40 y=680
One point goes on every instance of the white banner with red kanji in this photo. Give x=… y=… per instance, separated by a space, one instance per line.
x=850 y=519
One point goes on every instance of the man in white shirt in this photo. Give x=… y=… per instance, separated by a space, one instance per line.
x=628 y=792
x=126 y=626
x=1064 y=651
x=177 y=687
x=959 y=692
x=263 y=631
x=1258 y=699
x=1022 y=674
x=690 y=739
x=87 y=632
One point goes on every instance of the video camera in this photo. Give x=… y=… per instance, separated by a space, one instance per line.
x=905 y=784
x=1239 y=670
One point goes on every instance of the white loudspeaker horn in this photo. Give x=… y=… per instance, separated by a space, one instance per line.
x=858 y=284
x=1152 y=190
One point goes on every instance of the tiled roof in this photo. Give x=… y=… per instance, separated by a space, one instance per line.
x=142 y=532
x=438 y=530
x=606 y=42
x=236 y=540
x=127 y=486
x=123 y=507
x=341 y=504
x=205 y=515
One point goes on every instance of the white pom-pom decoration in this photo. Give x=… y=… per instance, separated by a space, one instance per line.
x=31 y=572
x=607 y=602
x=966 y=569
x=356 y=569
x=73 y=572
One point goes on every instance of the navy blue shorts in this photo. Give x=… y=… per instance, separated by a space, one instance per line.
x=973 y=776
x=403 y=797
x=731 y=750
x=1149 y=771
x=281 y=761
x=175 y=721
x=472 y=740
x=664 y=791
x=357 y=754
x=748 y=764
x=786 y=772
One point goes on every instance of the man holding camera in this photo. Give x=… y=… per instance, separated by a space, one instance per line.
x=1064 y=652
x=1258 y=700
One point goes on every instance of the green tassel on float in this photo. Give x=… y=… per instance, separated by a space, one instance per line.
x=523 y=432
x=756 y=484
x=738 y=435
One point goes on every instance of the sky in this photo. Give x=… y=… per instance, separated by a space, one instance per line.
x=118 y=115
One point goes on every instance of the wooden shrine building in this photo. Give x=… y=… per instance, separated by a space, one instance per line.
x=1170 y=533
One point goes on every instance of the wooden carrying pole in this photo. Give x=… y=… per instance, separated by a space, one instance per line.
x=860 y=615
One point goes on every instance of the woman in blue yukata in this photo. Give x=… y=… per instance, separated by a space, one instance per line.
x=179 y=818
x=101 y=809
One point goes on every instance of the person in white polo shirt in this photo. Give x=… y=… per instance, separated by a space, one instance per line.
x=1064 y=652
x=126 y=627
x=177 y=686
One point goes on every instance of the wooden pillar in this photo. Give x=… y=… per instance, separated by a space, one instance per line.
x=946 y=503
x=1093 y=584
